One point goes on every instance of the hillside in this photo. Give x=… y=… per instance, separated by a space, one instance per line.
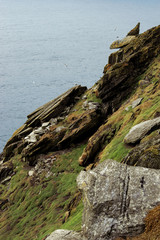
x=118 y=120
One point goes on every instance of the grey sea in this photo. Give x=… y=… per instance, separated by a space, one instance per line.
x=48 y=46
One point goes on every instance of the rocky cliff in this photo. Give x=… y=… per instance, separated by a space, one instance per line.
x=107 y=138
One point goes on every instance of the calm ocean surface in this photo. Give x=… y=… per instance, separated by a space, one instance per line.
x=48 y=46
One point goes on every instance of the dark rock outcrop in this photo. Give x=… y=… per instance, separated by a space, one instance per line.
x=58 y=107
x=134 y=31
x=55 y=107
x=146 y=154
x=104 y=133
x=127 y=64
x=6 y=170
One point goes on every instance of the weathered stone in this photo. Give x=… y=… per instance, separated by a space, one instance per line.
x=61 y=234
x=118 y=82
x=48 y=141
x=93 y=105
x=60 y=128
x=53 y=121
x=39 y=131
x=121 y=43
x=117 y=198
x=114 y=58
x=31 y=138
x=81 y=127
x=140 y=130
x=134 y=31
x=107 y=67
x=45 y=124
x=146 y=154
x=8 y=151
x=90 y=105
x=55 y=107
x=128 y=108
x=143 y=83
x=84 y=97
x=31 y=173
x=136 y=102
x=6 y=180
x=6 y=169
x=104 y=133
x=26 y=132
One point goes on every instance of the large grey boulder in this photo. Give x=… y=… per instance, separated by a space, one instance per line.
x=61 y=234
x=117 y=198
x=140 y=130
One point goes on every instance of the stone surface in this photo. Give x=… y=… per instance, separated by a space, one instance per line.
x=31 y=173
x=143 y=83
x=82 y=126
x=127 y=64
x=146 y=154
x=104 y=134
x=6 y=169
x=45 y=124
x=140 y=130
x=55 y=107
x=134 y=31
x=136 y=102
x=117 y=198
x=61 y=234
x=121 y=43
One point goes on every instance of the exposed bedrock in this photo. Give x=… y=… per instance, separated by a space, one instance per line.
x=125 y=66
x=116 y=199
x=37 y=123
x=146 y=154
x=61 y=234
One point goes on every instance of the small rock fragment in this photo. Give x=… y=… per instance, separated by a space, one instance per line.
x=136 y=102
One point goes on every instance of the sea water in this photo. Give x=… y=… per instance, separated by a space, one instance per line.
x=48 y=46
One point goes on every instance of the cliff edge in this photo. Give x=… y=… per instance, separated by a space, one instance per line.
x=107 y=139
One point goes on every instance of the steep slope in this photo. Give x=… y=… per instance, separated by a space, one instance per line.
x=39 y=164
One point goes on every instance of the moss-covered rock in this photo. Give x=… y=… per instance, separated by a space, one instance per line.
x=146 y=154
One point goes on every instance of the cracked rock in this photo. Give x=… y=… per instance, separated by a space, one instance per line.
x=117 y=198
x=61 y=234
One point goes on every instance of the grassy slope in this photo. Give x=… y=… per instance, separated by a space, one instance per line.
x=124 y=120
x=38 y=205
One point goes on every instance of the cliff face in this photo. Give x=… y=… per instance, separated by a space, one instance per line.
x=78 y=131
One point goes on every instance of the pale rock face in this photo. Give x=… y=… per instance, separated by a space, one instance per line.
x=31 y=173
x=134 y=104
x=140 y=130
x=117 y=198
x=45 y=124
x=61 y=234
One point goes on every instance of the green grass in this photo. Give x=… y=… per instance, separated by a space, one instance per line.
x=35 y=210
